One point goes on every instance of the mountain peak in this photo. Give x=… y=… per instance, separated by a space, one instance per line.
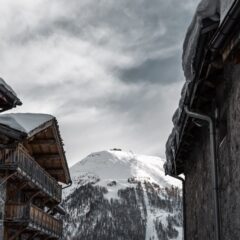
x=122 y=195
x=119 y=166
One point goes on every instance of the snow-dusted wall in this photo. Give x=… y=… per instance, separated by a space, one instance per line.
x=2 y=207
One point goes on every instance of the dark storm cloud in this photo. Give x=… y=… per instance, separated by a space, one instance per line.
x=110 y=70
x=158 y=71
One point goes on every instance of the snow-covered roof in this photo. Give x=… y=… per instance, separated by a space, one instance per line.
x=206 y=9
x=225 y=7
x=25 y=122
x=7 y=87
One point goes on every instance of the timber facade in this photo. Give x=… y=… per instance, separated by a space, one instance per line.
x=204 y=147
x=33 y=169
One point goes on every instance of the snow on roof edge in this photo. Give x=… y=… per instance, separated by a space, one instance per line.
x=25 y=122
x=206 y=9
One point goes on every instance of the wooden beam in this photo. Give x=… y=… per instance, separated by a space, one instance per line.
x=21 y=185
x=17 y=234
x=47 y=157
x=56 y=171
x=43 y=142
x=46 y=163
x=209 y=84
x=33 y=236
x=33 y=196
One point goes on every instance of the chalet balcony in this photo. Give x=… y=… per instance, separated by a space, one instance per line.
x=33 y=219
x=20 y=161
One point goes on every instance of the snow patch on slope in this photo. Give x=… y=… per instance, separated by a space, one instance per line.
x=151 y=217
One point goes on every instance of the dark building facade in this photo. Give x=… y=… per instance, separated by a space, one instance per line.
x=204 y=146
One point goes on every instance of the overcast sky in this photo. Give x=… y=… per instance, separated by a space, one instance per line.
x=109 y=70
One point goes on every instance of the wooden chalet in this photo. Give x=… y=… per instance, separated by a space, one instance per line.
x=33 y=169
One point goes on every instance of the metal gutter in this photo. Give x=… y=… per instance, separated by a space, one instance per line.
x=214 y=174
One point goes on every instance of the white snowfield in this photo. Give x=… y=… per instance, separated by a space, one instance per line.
x=119 y=166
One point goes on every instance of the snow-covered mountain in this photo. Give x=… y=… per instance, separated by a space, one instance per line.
x=119 y=195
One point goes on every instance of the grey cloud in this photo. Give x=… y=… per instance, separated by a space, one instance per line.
x=133 y=45
x=152 y=25
x=158 y=71
x=38 y=91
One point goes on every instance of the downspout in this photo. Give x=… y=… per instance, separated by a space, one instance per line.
x=214 y=166
x=184 y=205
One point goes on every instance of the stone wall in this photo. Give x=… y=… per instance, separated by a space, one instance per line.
x=199 y=190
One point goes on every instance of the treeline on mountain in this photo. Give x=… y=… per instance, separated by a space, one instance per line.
x=91 y=216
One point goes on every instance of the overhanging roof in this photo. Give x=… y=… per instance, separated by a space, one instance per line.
x=8 y=98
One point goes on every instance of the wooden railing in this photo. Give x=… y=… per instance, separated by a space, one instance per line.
x=25 y=164
x=33 y=217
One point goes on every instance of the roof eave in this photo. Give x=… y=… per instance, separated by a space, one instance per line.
x=62 y=153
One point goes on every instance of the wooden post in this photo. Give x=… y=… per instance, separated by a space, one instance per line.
x=33 y=236
x=17 y=234
x=5 y=235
